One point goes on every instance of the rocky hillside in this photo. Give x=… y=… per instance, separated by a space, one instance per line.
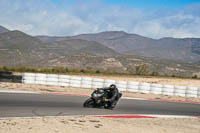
x=20 y=49
x=78 y=46
x=186 y=49
x=2 y=29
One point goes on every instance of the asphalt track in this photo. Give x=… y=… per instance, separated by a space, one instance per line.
x=28 y=105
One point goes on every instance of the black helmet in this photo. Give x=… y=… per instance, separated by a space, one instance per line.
x=112 y=86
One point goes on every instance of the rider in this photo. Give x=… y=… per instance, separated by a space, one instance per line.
x=113 y=96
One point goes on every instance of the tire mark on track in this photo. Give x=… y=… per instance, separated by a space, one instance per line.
x=35 y=112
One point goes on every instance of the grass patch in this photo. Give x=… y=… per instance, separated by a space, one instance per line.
x=142 y=71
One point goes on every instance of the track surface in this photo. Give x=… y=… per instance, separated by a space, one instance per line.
x=26 y=105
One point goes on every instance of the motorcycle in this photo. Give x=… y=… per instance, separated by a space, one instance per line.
x=97 y=99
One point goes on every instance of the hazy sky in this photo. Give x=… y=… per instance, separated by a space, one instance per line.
x=151 y=18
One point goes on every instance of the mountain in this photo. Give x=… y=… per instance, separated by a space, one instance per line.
x=47 y=39
x=18 y=40
x=117 y=40
x=3 y=29
x=185 y=49
x=78 y=46
x=98 y=52
x=19 y=48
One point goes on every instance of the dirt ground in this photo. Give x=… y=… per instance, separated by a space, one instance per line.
x=99 y=125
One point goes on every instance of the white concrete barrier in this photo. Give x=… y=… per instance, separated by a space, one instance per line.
x=63 y=80
x=75 y=85
x=52 y=76
x=86 y=86
x=156 y=89
x=98 y=80
x=63 y=84
x=129 y=86
x=29 y=81
x=193 y=88
x=40 y=75
x=28 y=78
x=168 y=93
x=132 y=83
x=168 y=86
x=40 y=78
x=199 y=92
x=86 y=79
x=52 y=83
x=76 y=78
x=157 y=85
x=145 y=84
x=51 y=79
x=192 y=92
x=170 y=90
x=63 y=76
x=121 y=85
x=107 y=83
x=28 y=74
x=146 y=88
x=40 y=82
x=97 y=84
x=144 y=91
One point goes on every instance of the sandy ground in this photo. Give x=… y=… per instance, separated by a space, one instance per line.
x=70 y=90
x=99 y=125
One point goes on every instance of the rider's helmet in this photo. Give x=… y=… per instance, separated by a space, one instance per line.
x=112 y=86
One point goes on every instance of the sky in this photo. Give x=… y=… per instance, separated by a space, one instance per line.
x=151 y=18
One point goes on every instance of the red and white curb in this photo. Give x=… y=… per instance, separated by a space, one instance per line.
x=119 y=116
x=145 y=116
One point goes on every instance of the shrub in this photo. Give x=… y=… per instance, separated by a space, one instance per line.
x=82 y=71
x=142 y=70
x=97 y=71
x=155 y=74
x=195 y=77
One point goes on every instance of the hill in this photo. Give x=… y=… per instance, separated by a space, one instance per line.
x=180 y=49
x=3 y=29
x=20 y=49
x=78 y=46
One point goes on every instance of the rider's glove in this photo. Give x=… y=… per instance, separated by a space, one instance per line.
x=106 y=100
x=98 y=101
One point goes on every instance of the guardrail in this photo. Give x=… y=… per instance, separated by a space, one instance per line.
x=128 y=86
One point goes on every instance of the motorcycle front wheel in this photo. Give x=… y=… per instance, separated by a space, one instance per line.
x=89 y=103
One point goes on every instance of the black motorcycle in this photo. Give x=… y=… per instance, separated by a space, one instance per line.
x=97 y=99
